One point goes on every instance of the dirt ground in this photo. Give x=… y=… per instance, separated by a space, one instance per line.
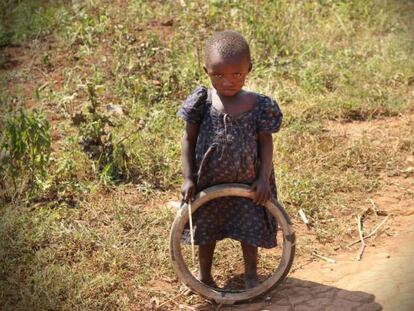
x=384 y=277
x=382 y=280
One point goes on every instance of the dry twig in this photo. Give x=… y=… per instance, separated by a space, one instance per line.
x=327 y=259
x=371 y=233
x=374 y=207
x=376 y=210
x=361 y=250
x=170 y=300
x=301 y=265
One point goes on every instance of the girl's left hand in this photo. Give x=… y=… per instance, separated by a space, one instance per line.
x=261 y=188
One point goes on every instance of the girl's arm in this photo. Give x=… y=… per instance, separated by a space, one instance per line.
x=188 y=144
x=261 y=185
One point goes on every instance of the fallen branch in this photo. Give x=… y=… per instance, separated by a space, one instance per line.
x=361 y=236
x=377 y=227
x=170 y=300
x=310 y=260
x=371 y=233
x=374 y=207
x=377 y=211
x=327 y=259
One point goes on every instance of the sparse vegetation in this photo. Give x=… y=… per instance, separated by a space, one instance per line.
x=25 y=154
x=90 y=140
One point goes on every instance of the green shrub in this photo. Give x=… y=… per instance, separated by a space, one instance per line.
x=25 y=19
x=96 y=137
x=25 y=152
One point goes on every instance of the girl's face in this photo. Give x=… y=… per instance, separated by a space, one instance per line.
x=228 y=76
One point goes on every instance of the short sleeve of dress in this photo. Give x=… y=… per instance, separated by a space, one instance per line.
x=192 y=109
x=270 y=116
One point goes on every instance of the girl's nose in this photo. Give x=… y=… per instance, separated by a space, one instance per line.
x=227 y=82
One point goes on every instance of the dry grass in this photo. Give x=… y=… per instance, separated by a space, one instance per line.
x=92 y=241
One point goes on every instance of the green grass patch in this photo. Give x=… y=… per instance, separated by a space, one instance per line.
x=30 y=19
x=84 y=241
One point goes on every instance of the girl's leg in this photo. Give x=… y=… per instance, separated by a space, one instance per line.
x=250 y=265
x=205 y=255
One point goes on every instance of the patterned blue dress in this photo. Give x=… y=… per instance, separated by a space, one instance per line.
x=227 y=151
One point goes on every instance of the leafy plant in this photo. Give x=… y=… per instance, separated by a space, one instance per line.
x=97 y=140
x=25 y=151
x=25 y=19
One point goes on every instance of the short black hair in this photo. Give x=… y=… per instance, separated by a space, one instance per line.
x=228 y=44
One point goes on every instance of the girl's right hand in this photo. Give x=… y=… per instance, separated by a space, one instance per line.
x=188 y=190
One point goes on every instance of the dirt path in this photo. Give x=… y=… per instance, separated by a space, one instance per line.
x=384 y=278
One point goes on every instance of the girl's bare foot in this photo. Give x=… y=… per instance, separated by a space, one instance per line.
x=250 y=265
x=205 y=253
x=208 y=281
x=250 y=281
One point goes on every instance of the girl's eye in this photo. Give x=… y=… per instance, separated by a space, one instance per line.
x=237 y=75
x=217 y=76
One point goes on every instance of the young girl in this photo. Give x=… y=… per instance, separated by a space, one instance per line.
x=228 y=139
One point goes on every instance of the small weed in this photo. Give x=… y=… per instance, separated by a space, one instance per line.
x=97 y=140
x=25 y=148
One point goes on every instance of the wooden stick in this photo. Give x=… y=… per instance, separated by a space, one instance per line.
x=330 y=260
x=377 y=227
x=374 y=207
x=310 y=260
x=371 y=233
x=190 y=216
x=361 y=250
x=170 y=300
x=377 y=211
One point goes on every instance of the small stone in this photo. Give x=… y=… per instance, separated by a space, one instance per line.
x=115 y=109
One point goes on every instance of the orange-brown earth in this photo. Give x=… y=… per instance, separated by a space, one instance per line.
x=383 y=278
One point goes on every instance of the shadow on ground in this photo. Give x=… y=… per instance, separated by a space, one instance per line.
x=297 y=295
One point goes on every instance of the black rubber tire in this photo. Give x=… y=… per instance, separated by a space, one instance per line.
x=218 y=295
